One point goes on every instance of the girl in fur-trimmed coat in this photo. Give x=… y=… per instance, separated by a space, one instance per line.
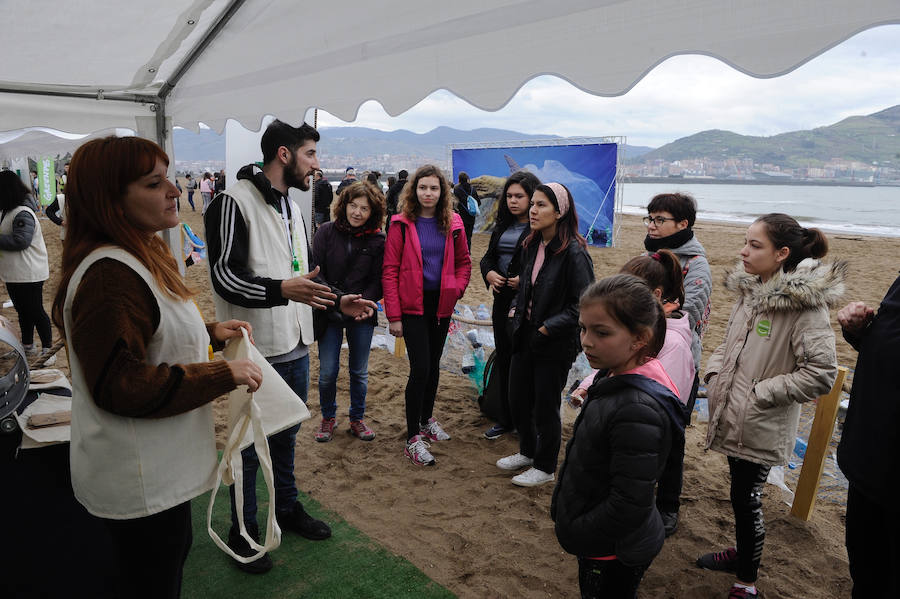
x=778 y=353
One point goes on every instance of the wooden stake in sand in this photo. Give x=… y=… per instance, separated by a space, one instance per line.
x=819 y=438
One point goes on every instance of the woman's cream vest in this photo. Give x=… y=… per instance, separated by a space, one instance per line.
x=126 y=468
x=29 y=265
x=276 y=330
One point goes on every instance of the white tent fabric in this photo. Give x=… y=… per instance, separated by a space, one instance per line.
x=38 y=143
x=243 y=59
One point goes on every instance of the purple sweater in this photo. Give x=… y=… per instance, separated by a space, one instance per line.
x=432 y=241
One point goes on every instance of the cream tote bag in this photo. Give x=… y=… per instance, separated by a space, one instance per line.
x=273 y=408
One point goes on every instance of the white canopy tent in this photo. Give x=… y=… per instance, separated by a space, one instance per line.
x=86 y=66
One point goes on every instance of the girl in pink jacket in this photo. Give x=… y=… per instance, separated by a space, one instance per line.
x=426 y=270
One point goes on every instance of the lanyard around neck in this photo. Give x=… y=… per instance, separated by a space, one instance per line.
x=289 y=231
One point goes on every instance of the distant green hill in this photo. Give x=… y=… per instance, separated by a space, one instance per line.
x=869 y=139
x=362 y=141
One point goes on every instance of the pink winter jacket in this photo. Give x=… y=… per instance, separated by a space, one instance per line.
x=403 y=275
x=675 y=357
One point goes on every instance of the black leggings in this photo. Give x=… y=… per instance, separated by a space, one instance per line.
x=425 y=336
x=502 y=354
x=28 y=300
x=150 y=552
x=747 y=481
x=535 y=392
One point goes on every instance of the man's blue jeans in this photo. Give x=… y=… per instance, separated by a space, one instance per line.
x=281 y=448
x=359 y=338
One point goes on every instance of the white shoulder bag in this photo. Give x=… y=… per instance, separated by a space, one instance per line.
x=272 y=408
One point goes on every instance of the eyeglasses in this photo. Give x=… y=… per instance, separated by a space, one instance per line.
x=656 y=220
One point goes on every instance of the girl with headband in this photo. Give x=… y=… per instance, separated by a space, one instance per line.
x=556 y=268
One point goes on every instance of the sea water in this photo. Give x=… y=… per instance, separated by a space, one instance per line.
x=849 y=210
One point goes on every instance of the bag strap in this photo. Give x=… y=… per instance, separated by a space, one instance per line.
x=231 y=471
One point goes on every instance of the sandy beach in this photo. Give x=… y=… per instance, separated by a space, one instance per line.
x=469 y=529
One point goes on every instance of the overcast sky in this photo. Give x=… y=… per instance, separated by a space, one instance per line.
x=682 y=96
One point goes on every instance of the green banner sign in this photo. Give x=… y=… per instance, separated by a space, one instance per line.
x=47 y=180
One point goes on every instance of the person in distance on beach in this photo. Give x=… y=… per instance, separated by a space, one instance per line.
x=868 y=453
x=500 y=269
x=556 y=268
x=258 y=261
x=23 y=263
x=670 y=220
x=778 y=352
x=603 y=504
x=349 y=251
x=143 y=441
x=426 y=270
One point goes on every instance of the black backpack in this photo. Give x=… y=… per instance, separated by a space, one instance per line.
x=490 y=398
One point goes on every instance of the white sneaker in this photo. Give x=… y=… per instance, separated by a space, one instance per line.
x=514 y=462
x=417 y=451
x=48 y=361
x=532 y=478
x=432 y=431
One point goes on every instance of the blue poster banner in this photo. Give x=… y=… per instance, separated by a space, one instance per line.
x=587 y=170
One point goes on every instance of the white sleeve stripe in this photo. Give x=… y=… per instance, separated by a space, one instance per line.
x=226 y=277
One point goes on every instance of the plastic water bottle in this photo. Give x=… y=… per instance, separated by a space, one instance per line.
x=468 y=362
x=472 y=335
x=467 y=313
x=800 y=448
x=482 y=312
x=702 y=408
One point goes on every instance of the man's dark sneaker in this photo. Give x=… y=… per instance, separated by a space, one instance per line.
x=495 y=432
x=240 y=546
x=670 y=522
x=724 y=561
x=297 y=520
x=742 y=593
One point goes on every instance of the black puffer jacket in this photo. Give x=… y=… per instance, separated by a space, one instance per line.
x=604 y=503
x=554 y=297
x=868 y=454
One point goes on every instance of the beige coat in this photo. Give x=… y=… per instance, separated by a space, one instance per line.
x=778 y=353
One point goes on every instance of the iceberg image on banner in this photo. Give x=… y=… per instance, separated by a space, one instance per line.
x=587 y=170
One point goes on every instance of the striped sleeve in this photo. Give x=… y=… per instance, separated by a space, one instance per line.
x=227 y=242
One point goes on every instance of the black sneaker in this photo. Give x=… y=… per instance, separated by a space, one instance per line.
x=723 y=561
x=297 y=520
x=240 y=546
x=495 y=432
x=670 y=522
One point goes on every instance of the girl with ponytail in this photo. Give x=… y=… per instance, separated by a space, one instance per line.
x=603 y=504
x=778 y=352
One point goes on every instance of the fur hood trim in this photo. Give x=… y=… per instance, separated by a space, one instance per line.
x=811 y=285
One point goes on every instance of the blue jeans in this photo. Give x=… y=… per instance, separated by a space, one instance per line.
x=359 y=338
x=281 y=448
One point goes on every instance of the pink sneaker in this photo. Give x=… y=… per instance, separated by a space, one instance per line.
x=417 y=451
x=326 y=430
x=359 y=429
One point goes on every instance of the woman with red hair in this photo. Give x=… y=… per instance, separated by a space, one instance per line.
x=143 y=443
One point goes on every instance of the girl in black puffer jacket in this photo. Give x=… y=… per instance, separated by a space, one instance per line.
x=603 y=504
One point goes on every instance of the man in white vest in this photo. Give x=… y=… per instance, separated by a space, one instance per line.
x=258 y=261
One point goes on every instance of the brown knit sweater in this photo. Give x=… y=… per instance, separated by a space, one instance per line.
x=114 y=315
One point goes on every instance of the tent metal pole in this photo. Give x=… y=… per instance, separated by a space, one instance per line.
x=195 y=53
